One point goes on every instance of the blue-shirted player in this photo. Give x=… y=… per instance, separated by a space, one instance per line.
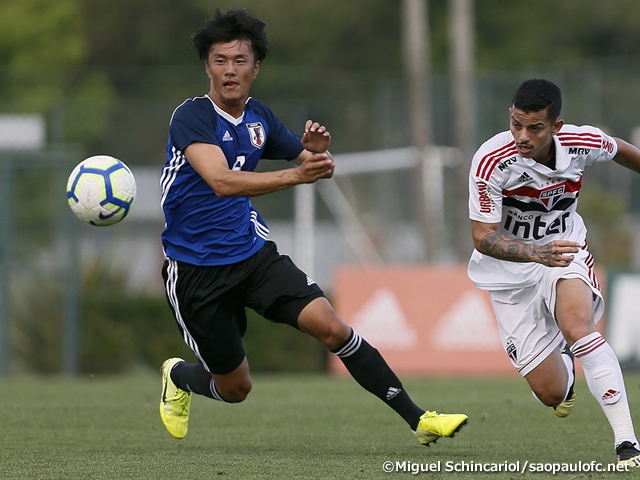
x=217 y=257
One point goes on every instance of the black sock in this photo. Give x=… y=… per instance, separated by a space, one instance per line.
x=193 y=377
x=371 y=371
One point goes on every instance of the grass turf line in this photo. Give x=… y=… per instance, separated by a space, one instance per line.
x=290 y=427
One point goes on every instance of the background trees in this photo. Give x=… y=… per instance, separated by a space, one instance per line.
x=107 y=76
x=104 y=70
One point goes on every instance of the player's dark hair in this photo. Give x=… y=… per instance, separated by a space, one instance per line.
x=235 y=24
x=537 y=94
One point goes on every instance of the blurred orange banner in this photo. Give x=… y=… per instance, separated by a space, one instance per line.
x=424 y=320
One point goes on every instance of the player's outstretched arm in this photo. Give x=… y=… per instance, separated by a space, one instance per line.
x=628 y=155
x=488 y=241
x=209 y=161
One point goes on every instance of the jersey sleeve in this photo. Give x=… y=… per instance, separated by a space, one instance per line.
x=190 y=123
x=485 y=195
x=608 y=149
x=282 y=143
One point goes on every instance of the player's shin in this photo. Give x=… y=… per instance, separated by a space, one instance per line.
x=604 y=378
x=193 y=377
x=372 y=372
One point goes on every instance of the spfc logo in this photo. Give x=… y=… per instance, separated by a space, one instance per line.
x=550 y=196
x=256 y=134
x=511 y=351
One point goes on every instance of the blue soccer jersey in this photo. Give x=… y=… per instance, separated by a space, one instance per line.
x=202 y=228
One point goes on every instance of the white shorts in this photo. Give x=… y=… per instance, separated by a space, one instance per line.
x=526 y=316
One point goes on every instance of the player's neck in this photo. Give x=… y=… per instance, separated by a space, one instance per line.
x=235 y=109
x=548 y=159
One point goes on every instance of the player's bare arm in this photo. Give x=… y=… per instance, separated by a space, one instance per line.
x=628 y=155
x=488 y=241
x=210 y=163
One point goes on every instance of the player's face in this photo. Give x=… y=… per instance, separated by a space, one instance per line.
x=231 y=68
x=533 y=133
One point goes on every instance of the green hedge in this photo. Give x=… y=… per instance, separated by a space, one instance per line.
x=140 y=330
x=120 y=331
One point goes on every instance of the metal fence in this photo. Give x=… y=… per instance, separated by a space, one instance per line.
x=39 y=272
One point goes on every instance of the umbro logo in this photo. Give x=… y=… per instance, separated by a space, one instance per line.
x=227 y=137
x=609 y=394
x=393 y=392
x=525 y=177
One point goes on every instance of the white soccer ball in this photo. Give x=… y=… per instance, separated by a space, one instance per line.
x=100 y=190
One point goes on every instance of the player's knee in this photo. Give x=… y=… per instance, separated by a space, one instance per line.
x=577 y=330
x=319 y=320
x=335 y=334
x=238 y=392
x=551 y=397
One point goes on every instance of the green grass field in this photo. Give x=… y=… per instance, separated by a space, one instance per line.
x=306 y=427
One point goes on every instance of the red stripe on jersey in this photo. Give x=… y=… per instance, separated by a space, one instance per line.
x=592 y=136
x=490 y=160
x=581 y=144
x=535 y=193
x=574 y=139
x=578 y=134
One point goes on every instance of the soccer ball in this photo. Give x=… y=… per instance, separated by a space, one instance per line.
x=100 y=190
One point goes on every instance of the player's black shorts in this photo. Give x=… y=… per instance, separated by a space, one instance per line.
x=209 y=302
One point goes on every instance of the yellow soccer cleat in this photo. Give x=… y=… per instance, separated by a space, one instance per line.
x=434 y=425
x=174 y=402
x=628 y=454
x=564 y=409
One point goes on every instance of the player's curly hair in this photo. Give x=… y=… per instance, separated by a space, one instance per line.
x=537 y=94
x=235 y=24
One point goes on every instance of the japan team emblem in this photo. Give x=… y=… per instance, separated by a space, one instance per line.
x=256 y=134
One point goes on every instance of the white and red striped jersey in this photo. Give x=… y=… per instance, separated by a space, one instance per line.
x=532 y=203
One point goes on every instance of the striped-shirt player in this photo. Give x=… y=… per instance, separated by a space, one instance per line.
x=531 y=254
x=531 y=203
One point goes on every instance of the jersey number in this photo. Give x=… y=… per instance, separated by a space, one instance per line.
x=239 y=163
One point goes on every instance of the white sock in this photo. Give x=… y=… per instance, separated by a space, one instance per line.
x=605 y=381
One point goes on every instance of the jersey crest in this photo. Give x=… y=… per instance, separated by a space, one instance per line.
x=550 y=196
x=256 y=134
